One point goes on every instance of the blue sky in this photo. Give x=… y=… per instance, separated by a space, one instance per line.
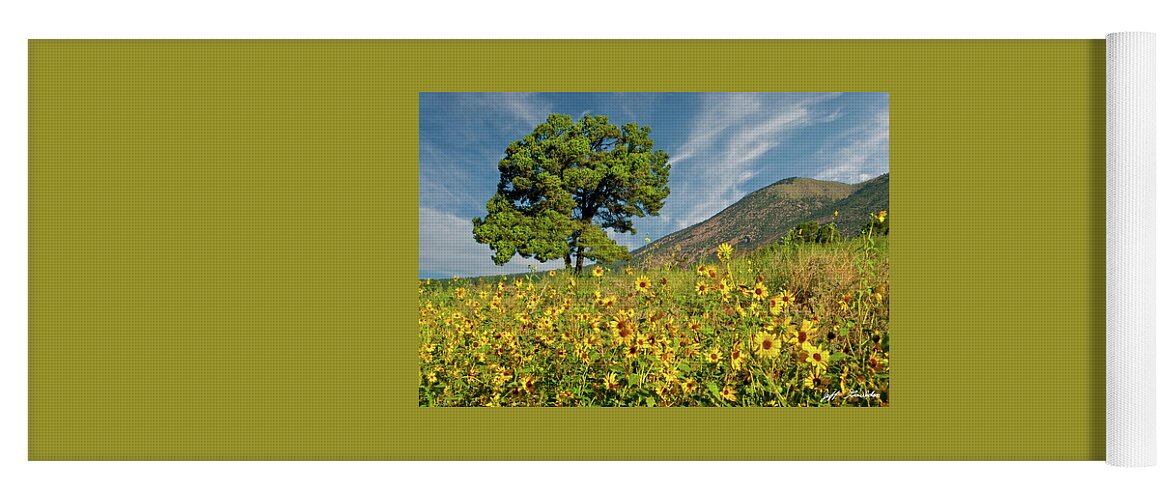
x=722 y=147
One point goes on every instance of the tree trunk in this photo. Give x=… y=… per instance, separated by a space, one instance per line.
x=567 y=261
x=587 y=219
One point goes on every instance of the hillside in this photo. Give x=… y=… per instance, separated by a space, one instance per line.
x=766 y=215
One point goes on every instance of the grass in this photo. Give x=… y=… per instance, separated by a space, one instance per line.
x=786 y=325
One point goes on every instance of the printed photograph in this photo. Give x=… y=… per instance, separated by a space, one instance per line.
x=654 y=249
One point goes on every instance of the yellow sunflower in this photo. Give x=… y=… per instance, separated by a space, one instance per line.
x=633 y=350
x=688 y=386
x=737 y=358
x=624 y=329
x=767 y=345
x=724 y=252
x=803 y=335
x=845 y=302
x=713 y=355
x=526 y=384
x=813 y=380
x=598 y=271
x=728 y=392
x=611 y=382
x=702 y=288
x=759 y=292
x=643 y=284
x=817 y=357
x=774 y=306
x=786 y=298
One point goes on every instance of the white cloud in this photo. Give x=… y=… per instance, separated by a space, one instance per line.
x=862 y=156
x=628 y=113
x=527 y=108
x=447 y=247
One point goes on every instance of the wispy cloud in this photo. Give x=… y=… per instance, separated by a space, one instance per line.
x=525 y=107
x=455 y=179
x=730 y=132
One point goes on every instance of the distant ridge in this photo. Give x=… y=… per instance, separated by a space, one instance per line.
x=766 y=215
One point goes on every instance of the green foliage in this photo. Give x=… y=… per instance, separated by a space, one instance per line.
x=812 y=232
x=828 y=234
x=566 y=183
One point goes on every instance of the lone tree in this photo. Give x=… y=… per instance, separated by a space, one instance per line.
x=562 y=186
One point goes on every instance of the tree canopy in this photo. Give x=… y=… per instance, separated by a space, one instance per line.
x=563 y=186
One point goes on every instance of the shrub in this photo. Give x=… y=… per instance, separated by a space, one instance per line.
x=812 y=232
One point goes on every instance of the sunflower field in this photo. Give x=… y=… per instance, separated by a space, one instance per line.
x=795 y=324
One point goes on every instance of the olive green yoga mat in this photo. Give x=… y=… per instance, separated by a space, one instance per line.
x=223 y=250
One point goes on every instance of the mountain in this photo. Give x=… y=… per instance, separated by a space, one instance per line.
x=766 y=215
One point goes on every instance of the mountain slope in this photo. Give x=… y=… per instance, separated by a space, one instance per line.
x=766 y=215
